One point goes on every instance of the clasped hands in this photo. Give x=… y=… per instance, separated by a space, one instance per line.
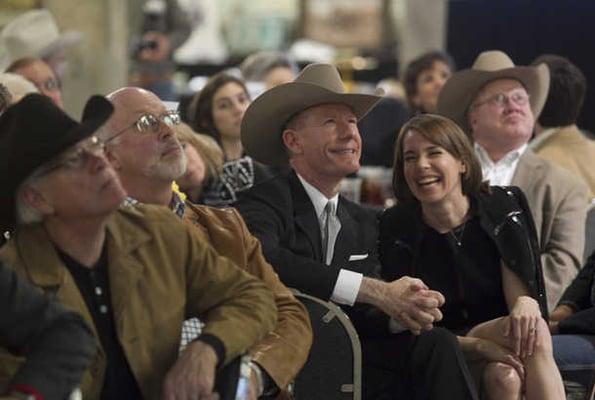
x=412 y=303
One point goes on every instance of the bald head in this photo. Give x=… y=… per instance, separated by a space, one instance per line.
x=141 y=144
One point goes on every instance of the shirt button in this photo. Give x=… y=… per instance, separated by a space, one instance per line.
x=103 y=309
x=98 y=291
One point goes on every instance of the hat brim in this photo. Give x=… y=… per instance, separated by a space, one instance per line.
x=264 y=120
x=460 y=90
x=65 y=40
x=23 y=163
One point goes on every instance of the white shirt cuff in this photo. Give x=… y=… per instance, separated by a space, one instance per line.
x=347 y=287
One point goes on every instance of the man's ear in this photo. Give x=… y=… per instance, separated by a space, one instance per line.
x=291 y=140
x=113 y=158
x=35 y=199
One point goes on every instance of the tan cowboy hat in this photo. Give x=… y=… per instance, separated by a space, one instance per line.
x=460 y=90
x=33 y=34
x=266 y=117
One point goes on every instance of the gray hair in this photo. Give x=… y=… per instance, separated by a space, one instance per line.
x=257 y=65
x=26 y=214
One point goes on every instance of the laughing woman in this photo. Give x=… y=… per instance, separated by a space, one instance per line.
x=477 y=245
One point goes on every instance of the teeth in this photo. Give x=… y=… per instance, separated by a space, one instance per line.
x=427 y=181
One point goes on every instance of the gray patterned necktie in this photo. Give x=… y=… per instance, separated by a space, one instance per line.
x=329 y=229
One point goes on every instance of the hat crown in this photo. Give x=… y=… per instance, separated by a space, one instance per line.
x=493 y=60
x=323 y=75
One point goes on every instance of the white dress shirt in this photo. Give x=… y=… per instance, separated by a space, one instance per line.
x=499 y=173
x=348 y=282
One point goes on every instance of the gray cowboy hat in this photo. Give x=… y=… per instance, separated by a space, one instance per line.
x=460 y=90
x=265 y=119
x=33 y=34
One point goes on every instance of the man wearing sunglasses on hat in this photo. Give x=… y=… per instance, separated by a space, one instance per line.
x=133 y=273
x=136 y=141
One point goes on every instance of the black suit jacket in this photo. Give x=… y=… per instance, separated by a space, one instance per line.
x=280 y=214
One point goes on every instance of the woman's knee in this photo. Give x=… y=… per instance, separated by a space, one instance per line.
x=543 y=341
x=501 y=381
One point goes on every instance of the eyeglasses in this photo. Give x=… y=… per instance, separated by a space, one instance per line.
x=150 y=123
x=50 y=85
x=518 y=97
x=77 y=157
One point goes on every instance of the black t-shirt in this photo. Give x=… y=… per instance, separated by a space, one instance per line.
x=464 y=265
x=93 y=283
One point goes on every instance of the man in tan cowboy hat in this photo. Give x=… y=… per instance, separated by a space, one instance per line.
x=324 y=245
x=133 y=273
x=497 y=103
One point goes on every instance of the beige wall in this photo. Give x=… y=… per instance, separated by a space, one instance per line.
x=99 y=64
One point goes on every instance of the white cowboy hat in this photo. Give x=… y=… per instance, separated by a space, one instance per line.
x=265 y=118
x=460 y=90
x=33 y=34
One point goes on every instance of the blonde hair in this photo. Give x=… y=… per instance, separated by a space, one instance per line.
x=206 y=147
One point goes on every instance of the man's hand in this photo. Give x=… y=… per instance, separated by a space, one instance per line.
x=193 y=375
x=407 y=300
x=559 y=313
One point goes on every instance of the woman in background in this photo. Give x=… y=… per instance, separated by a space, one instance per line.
x=477 y=245
x=217 y=110
x=424 y=78
x=204 y=161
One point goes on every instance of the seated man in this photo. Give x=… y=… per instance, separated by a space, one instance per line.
x=496 y=103
x=325 y=245
x=133 y=273
x=137 y=155
x=57 y=343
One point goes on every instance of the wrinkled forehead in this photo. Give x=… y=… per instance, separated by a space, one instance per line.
x=132 y=105
x=498 y=86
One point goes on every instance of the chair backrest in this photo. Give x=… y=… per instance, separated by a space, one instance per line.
x=590 y=231
x=334 y=366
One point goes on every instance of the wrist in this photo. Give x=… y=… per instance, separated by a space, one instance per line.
x=371 y=291
x=256 y=375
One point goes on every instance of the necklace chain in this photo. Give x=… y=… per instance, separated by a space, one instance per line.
x=457 y=234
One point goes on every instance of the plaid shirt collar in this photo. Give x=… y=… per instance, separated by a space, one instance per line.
x=176 y=204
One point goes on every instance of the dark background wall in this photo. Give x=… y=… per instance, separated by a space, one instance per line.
x=525 y=29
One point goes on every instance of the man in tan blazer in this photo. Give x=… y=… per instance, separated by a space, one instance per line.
x=138 y=160
x=558 y=139
x=496 y=103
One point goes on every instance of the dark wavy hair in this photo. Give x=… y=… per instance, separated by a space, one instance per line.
x=200 y=111
x=444 y=133
x=416 y=67
x=565 y=98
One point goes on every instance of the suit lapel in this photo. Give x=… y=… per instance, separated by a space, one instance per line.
x=526 y=170
x=345 y=243
x=305 y=215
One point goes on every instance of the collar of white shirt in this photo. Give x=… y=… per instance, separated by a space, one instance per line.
x=318 y=199
x=507 y=160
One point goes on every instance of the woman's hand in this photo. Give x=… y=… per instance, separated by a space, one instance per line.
x=521 y=326
x=493 y=352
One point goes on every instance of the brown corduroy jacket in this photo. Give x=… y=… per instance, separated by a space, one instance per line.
x=283 y=352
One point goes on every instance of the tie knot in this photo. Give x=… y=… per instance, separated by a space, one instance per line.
x=329 y=208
